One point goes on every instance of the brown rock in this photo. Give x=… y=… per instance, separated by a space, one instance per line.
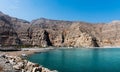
x=46 y=32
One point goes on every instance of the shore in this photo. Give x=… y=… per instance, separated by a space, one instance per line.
x=29 y=51
x=12 y=62
x=6 y=62
x=25 y=51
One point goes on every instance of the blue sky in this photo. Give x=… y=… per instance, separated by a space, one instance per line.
x=74 y=10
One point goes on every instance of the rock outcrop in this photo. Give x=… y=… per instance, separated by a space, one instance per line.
x=17 y=64
x=46 y=32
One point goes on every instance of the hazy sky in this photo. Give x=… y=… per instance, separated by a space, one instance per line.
x=75 y=10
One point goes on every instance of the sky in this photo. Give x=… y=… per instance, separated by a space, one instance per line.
x=95 y=11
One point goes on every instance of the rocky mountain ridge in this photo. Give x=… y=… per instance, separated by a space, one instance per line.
x=46 y=32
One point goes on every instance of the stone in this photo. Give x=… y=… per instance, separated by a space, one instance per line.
x=12 y=61
x=2 y=55
x=17 y=64
x=37 y=69
x=16 y=67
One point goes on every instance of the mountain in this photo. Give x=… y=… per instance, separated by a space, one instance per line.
x=46 y=32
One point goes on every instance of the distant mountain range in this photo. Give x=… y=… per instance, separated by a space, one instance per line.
x=46 y=32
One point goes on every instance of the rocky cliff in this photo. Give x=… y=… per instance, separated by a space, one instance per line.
x=46 y=32
x=8 y=35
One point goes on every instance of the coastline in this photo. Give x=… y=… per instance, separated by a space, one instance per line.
x=26 y=51
x=29 y=51
x=12 y=61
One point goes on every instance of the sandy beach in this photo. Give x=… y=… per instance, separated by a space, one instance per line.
x=26 y=51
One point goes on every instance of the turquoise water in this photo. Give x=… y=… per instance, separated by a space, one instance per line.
x=79 y=60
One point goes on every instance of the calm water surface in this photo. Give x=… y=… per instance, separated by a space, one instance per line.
x=80 y=60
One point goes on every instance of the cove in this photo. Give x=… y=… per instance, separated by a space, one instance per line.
x=80 y=59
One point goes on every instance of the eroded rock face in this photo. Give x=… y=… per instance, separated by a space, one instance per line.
x=40 y=37
x=45 y=32
x=111 y=34
x=78 y=36
x=8 y=35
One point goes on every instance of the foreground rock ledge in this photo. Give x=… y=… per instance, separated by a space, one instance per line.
x=17 y=64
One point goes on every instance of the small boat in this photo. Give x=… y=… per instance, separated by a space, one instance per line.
x=24 y=55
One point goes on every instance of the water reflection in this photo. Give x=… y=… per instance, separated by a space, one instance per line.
x=95 y=60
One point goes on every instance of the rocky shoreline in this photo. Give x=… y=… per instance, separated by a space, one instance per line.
x=17 y=64
x=11 y=62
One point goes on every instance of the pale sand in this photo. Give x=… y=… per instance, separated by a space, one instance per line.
x=19 y=53
x=26 y=51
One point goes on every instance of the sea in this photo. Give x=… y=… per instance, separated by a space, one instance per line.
x=79 y=59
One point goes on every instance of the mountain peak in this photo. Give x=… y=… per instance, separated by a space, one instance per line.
x=115 y=21
x=1 y=13
x=42 y=18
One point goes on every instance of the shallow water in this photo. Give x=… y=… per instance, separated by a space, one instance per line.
x=80 y=60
